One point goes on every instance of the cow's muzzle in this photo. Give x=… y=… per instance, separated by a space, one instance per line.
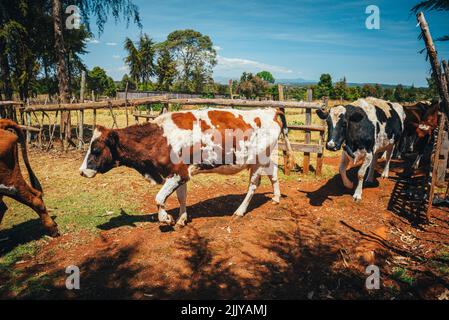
x=88 y=173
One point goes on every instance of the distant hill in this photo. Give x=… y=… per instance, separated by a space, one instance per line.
x=305 y=82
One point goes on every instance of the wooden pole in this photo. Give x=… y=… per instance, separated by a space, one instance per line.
x=81 y=130
x=83 y=85
x=306 y=161
x=320 y=156
x=284 y=153
x=28 y=123
x=230 y=89
x=126 y=103
x=436 y=68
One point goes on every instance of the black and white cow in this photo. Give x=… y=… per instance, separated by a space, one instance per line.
x=365 y=129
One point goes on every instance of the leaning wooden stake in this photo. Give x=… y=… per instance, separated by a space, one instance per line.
x=444 y=106
x=436 y=68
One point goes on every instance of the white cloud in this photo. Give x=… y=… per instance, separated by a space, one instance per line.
x=92 y=40
x=217 y=48
x=238 y=64
x=111 y=43
x=116 y=56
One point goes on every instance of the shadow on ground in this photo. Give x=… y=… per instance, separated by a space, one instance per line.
x=215 y=207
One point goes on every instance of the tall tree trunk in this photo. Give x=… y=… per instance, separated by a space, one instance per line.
x=61 y=69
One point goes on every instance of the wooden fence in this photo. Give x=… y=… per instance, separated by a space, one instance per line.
x=25 y=114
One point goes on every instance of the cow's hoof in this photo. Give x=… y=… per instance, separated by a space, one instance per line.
x=182 y=221
x=239 y=214
x=276 y=199
x=168 y=220
x=384 y=176
x=357 y=198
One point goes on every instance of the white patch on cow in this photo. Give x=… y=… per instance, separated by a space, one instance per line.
x=7 y=190
x=89 y=173
x=248 y=150
x=335 y=114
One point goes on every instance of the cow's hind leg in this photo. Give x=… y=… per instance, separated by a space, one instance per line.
x=386 y=171
x=181 y=192
x=275 y=183
x=254 y=182
x=170 y=185
x=361 y=175
x=33 y=199
x=3 y=209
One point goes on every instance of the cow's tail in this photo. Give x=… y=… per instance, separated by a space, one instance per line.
x=288 y=152
x=9 y=124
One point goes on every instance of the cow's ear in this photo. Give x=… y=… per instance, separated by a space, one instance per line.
x=112 y=138
x=322 y=114
x=356 y=117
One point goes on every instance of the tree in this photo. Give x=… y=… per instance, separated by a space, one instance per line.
x=324 y=87
x=100 y=82
x=127 y=79
x=368 y=91
x=399 y=93
x=252 y=86
x=140 y=59
x=378 y=91
x=340 y=90
x=194 y=54
x=165 y=69
x=267 y=76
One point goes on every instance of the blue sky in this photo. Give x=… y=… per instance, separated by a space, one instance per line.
x=292 y=39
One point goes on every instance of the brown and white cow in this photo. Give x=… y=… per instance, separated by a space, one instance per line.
x=176 y=146
x=12 y=183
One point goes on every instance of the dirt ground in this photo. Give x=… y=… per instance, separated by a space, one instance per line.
x=316 y=244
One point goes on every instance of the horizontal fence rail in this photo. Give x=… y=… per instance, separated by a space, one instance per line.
x=167 y=101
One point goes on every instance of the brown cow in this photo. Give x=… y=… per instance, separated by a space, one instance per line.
x=12 y=183
x=219 y=141
x=421 y=120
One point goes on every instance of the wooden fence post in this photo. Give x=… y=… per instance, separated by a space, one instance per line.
x=230 y=89
x=28 y=123
x=126 y=103
x=319 y=159
x=306 y=161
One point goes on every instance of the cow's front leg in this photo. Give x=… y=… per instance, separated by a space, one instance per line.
x=367 y=159
x=372 y=168
x=170 y=185
x=386 y=171
x=342 y=169
x=181 y=192
x=254 y=182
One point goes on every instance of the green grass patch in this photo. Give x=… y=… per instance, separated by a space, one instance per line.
x=403 y=275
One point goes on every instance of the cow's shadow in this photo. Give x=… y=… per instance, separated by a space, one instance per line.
x=19 y=234
x=334 y=187
x=214 y=207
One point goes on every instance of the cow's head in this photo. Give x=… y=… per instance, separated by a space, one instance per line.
x=336 y=126
x=429 y=121
x=100 y=157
